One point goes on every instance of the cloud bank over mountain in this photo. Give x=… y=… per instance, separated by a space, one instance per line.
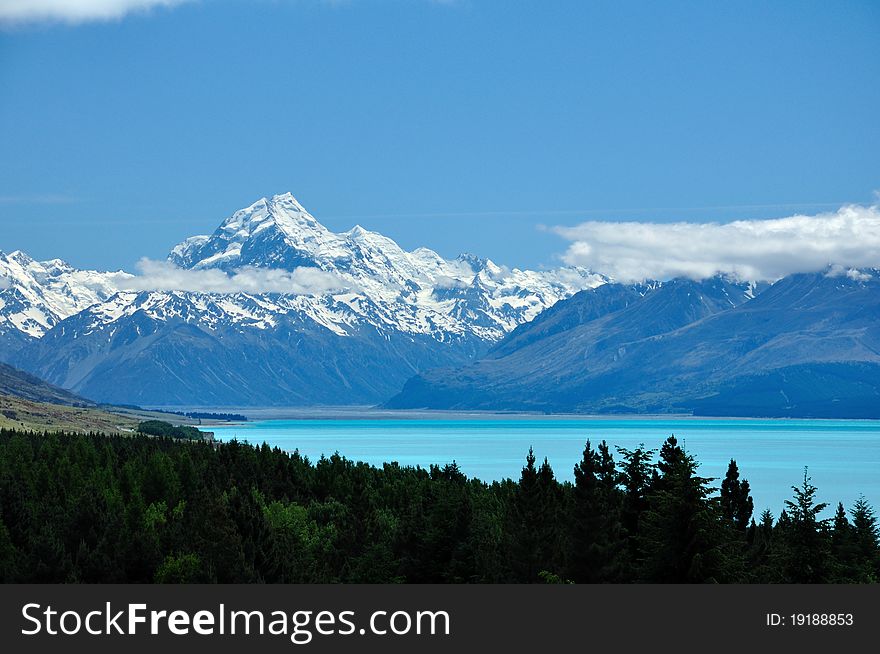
x=165 y=276
x=74 y=11
x=747 y=249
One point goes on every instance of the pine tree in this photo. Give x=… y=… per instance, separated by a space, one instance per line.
x=760 y=543
x=595 y=534
x=843 y=547
x=636 y=475
x=841 y=524
x=736 y=502
x=548 y=522
x=609 y=478
x=672 y=457
x=807 y=545
x=526 y=515
x=682 y=539
x=866 y=537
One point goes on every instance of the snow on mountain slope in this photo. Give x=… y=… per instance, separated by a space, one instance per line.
x=238 y=320
x=36 y=295
x=416 y=292
x=268 y=234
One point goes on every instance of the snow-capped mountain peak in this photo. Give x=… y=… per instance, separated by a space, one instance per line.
x=280 y=233
x=282 y=212
x=389 y=288
x=270 y=233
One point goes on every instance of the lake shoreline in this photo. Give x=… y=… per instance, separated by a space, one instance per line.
x=359 y=412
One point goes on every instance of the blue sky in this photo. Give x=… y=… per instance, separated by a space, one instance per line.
x=456 y=125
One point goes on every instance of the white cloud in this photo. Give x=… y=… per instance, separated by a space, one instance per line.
x=748 y=249
x=574 y=278
x=461 y=270
x=836 y=270
x=445 y=282
x=498 y=273
x=74 y=11
x=164 y=276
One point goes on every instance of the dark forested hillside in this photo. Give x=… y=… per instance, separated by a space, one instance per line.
x=92 y=508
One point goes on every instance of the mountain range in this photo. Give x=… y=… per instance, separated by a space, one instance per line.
x=37 y=295
x=361 y=316
x=805 y=346
x=274 y=309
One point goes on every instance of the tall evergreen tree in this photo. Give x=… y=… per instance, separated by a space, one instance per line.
x=736 y=502
x=548 y=525
x=843 y=547
x=635 y=477
x=526 y=542
x=682 y=539
x=866 y=537
x=806 y=557
x=595 y=535
x=760 y=542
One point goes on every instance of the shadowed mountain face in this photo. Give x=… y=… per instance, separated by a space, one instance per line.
x=19 y=384
x=143 y=360
x=806 y=346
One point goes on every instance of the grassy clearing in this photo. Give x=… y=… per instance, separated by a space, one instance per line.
x=16 y=413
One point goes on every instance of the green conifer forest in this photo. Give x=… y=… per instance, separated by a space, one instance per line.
x=95 y=508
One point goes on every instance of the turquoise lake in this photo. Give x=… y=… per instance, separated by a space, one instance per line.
x=843 y=456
